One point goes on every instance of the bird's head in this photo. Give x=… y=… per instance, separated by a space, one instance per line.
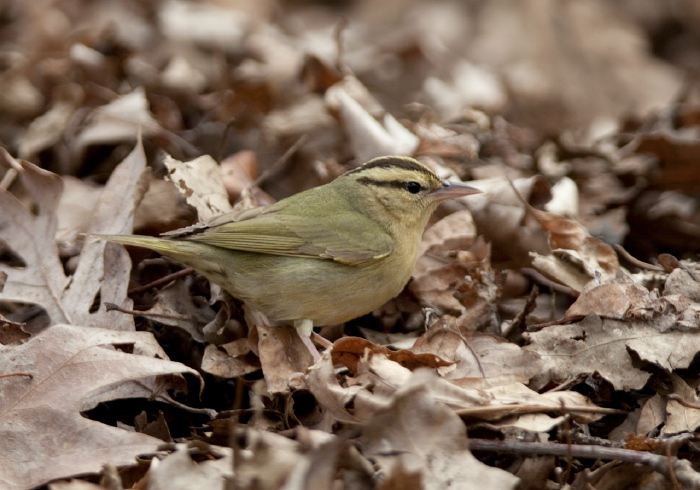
x=400 y=191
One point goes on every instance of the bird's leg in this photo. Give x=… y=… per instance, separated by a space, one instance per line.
x=322 y=340
x=305 y=328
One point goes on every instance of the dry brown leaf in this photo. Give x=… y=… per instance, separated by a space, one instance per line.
x=651 y=416
x=557 y=75
x=306 y=117
x=677 y=154
x=576 y=257
x=421 y=433
x=348 y=351
x=74 y=485
x=201 y=182
x=477 y=355
x=467 y=85
x=322 y=382
x=621 y=475
x=516 y=399
x=682 y=282
x=460 y=282
x=47 y=129
x=372 y=131
x=178 y=471
x=229 y=360
x=501 y=218
x=238 y=172
x=318 y=469
x=160 y=207
x=31 y=237
x=683 y=414
x=76 y=206
x=208 y=25
x=401 y=479
x=73 y=369
x=102 y=268
x=175 y=306
x=641 y=443
x=11 y=333
x=456 y=231
x=282 y=355
x=437 y=287
x=619 y=298
x=123 y=119
x=602 y=345
x=267 y=462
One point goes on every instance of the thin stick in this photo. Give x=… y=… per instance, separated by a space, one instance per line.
x=145 y=314
x=635 y=261
x=9 y=177
x=569 y=456
x=671 y=472
x=685 y=475
x=7 y=375
x=507 y=410
x=162 y=280
x=279 y=164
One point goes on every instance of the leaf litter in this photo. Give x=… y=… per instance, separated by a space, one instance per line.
x=550 y=322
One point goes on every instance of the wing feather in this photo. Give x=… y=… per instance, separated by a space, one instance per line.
x=342 y=237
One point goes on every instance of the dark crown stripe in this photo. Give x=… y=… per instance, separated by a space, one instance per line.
x=393 y=162
x=397 y=184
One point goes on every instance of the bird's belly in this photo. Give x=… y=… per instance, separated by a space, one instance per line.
x=323 y=291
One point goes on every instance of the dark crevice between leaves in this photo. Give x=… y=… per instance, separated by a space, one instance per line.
x=10 y=257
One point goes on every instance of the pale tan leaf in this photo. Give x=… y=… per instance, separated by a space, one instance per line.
x=683 y=414
x=72 y=369
x=602 y=345
x=591 y=345
x=229 y=360
x=47 y=129
x=619 y=298
x=477 y=355
x=652 y=415
x=201 y=182
x=178 y=471
x=282 y=355
x=421 y=433
x=31 y=236
x=123 y=119
x=102 y=268
x=372 y=132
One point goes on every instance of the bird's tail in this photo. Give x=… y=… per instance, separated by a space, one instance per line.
x=181 y=250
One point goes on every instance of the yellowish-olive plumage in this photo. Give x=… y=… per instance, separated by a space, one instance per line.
x=323 y=256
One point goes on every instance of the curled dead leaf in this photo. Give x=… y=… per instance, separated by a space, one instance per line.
x=348 y=351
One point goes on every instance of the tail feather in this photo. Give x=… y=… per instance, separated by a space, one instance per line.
x=180 y=250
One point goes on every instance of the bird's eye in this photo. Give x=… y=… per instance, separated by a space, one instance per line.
x=413 y=187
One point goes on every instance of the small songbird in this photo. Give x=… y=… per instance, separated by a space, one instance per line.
x=323 y=256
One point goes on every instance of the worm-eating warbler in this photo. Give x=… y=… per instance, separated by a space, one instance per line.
x=323 y=256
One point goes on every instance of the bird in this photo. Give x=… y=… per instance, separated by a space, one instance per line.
x=323 y=256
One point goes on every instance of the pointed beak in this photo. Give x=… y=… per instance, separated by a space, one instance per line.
x=453 y=189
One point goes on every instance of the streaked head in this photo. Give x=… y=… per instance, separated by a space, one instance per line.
x=407 y=189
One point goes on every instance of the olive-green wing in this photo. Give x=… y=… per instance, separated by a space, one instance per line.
x=343 y=237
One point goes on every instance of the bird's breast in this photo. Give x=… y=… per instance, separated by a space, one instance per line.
x=324 y=291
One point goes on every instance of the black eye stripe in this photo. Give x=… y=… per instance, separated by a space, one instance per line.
x=412 y=186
